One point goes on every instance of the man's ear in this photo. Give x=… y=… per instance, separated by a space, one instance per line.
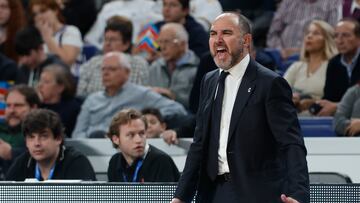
x=163 y=125
x=115 y=139
x=247 y=41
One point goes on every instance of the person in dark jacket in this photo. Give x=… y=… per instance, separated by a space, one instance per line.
x=137 y=161
x=47 y=158
x=29 y=45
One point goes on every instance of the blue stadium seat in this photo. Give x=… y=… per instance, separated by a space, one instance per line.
x=317 y=126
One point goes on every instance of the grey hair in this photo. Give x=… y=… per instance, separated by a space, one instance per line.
x=180 y=32
x=122 y=59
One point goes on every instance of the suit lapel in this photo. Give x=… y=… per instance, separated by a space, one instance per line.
x=246 y=88
x=210 y=100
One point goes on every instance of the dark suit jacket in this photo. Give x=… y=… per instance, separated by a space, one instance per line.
x=337 y=79
x=265 y=151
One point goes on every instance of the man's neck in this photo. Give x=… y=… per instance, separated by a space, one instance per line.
x=112 y=91
x=45 y=166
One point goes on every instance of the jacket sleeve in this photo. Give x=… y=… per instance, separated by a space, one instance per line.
x=284 y=124
x=187 y=184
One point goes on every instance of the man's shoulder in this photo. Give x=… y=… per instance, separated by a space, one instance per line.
x=71 y=152
x=156 y=154
x=335 y=59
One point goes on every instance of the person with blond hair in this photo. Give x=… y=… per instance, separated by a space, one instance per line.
x=307 y=76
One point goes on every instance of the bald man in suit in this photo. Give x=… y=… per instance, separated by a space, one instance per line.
x=247 y=145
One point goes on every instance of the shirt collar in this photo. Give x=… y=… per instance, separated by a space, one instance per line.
x=238 y=70
x=353 y=60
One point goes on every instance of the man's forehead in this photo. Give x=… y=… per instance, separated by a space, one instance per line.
x=227 y=17
x=225 y=23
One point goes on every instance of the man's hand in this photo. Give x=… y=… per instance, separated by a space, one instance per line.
x=176 y=200
x=328 y=108
x=353 y=128
x=5 y=150
x=287 y=199
x=170 y=137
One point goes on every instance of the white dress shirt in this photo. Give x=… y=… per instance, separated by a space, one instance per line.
x=232 y=83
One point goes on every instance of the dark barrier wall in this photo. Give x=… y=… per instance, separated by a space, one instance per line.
x=143 y=193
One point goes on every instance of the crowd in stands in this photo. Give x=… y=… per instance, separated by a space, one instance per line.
x=143 y=79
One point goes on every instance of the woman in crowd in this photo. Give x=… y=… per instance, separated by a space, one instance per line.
x=12 y=19
x=307 y=76
x=57 y=89
x=60 y=39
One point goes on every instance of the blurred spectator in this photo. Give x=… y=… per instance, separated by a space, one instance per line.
x=100 y=107
x=137 y=161
x=118 y=34
x=178 y=11
x=204 y=11
x=140 y=12
x=9 y=70
x=47 y=157
x=32 y=58
x=57 y=90
x=80 y=13
x=156 y=126
x=347 y=116
x=351 y=9
x=172 y=75
x=12 y=19
x=291 y=19
x=60 y=39
x=307 y=76
x=343 y=69
x=20 y=100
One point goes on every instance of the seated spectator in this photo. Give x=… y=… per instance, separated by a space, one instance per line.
x=173 y=74
x=343 y=69
x=156 y=126
x=137 y=161
x=347 y=116
x=291 y=18
x=117 y=35
x=47 y=157
x=60 y=39
x=140 y=12
x=32 y=57
x=307 y=76
x=100 y=107
x=12 y=19
x=177 y=11
x=20 y=100
x=57 y=92
x=9 y=70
